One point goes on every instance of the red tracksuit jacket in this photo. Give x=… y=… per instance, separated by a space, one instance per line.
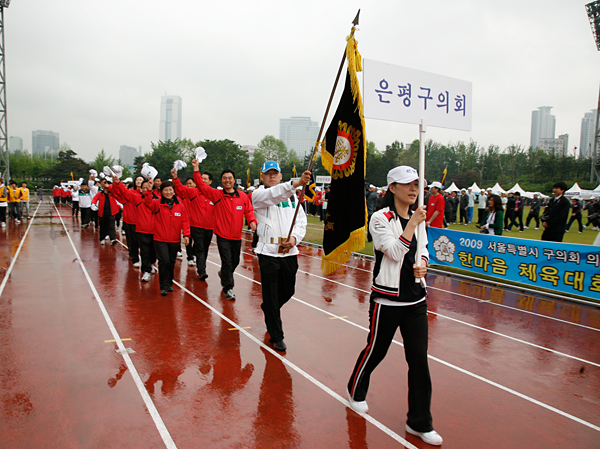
x=169 y=223
x=229 y=209
x=99 y=199
x=199 y=207
x=129 y=202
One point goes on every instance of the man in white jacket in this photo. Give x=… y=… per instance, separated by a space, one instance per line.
x=274 y=208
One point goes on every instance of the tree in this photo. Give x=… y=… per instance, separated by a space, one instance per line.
x=224 y=154
x=163 y=155
x=67 y=164
x=102 y=160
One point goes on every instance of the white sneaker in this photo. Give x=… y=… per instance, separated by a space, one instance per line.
x=525 y=227
x=17 y=221
x=230 y=295
x=357 y=406
x=191 y=263
x=154 y=270
x=180 y=255
x=122 y=232
x=566 y=230
x=431 y=437
x=3 y=224
x=102 y=242
x=585 y=227
x=145 y=277
x=536 y=228
x=137 y=264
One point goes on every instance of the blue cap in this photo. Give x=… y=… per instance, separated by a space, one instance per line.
x=270 y=165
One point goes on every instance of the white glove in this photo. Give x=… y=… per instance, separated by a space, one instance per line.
x=107 y=171
x=200 y=154
x=93 y=172
x=127 y=180
x=179 y=165
x=117 y=171
x=102 y=175
x=94 y=207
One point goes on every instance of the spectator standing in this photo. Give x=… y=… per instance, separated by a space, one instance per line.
x=534 y=212
x=435 y=206
x=495 y=218
x=471 y=205
x=482 y=204
x=464 y=206
x=517 y=213
x=510 y=211
x=575 y=215
x=556 y=214
x=25 y=199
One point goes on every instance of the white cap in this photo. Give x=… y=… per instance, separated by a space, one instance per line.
x=402 y=175
x=436 y=184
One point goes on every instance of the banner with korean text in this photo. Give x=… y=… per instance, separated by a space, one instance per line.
x=562 y=267
x=400 y=94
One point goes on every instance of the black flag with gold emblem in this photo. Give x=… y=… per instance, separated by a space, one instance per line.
x=343 y=154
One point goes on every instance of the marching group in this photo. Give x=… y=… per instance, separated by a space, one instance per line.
x=15 y=199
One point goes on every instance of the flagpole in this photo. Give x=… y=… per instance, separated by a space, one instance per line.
x=312 y=158
x=421 y=230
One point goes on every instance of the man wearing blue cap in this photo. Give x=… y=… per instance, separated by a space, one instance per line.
x=274 y=209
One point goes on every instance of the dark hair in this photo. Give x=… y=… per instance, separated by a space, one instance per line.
x=157 y=177
x=145 y=181
x=561 y=185
x=388 y=199
x=190 y=179
x=497 y=202
x=210 y=176
x=227 y=170
x=518 y=193
x=165 y=184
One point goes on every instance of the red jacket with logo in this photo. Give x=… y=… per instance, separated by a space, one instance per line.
x=199 y=207
x=99 y=199
x=56 y=192
x=169 y=223
x=128 y=199
x=230 y=210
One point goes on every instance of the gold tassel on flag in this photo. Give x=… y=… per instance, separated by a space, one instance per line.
x=248 y=178
x=444 y=175
x=294 y=171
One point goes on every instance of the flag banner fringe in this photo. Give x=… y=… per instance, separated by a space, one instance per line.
x=341 y=255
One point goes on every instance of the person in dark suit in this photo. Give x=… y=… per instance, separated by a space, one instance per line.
x=556 y=214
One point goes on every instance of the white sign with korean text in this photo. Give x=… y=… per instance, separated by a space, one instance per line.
x=400 y=94
x=323 y=180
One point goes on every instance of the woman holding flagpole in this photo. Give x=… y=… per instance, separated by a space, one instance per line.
x=397 y=301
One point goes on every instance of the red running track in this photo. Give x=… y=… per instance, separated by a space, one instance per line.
x=509 y=370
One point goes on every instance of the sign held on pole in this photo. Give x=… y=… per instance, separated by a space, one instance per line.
x=400 y=94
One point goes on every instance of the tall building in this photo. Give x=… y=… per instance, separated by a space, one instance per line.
x=170 y=118
x=560 y=146
x=43 y=142
x=15 y=143
x=299 y=134
x=588 y=128
x=250 y=149
x=128 y=154
x=543 y=125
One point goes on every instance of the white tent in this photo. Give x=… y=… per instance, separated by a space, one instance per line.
x=475 y=188
x=597 y=189
x=580 y=193
x=452 y=188
x=497 y=190
x=517 y=188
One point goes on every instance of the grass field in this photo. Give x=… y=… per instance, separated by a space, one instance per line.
x=314 y=232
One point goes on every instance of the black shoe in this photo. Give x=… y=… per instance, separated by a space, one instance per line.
x=203 y=276
x=163 y=293
x=280 y=346
x=170 y=289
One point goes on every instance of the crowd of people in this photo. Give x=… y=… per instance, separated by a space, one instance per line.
x=498 y=213
x=15 y=199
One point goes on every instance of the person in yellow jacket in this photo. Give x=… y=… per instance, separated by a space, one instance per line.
x=25 y=199
x=3 y=202
x=14 y=201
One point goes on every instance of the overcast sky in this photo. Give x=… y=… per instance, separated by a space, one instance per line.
x=95 y=71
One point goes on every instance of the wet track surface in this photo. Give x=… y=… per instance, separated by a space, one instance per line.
x=509 y=370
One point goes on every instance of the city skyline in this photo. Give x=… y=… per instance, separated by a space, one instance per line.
x=238 y=85
x=170 y=118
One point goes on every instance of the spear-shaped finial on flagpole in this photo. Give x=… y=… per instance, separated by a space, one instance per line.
x=355 y=21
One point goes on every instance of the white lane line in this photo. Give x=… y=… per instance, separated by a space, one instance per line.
x=448 y=364
x=160 y=425
x=14 y=259
x=300 y=371
x=303 y=373
x=477 y=299
x=463 y=322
